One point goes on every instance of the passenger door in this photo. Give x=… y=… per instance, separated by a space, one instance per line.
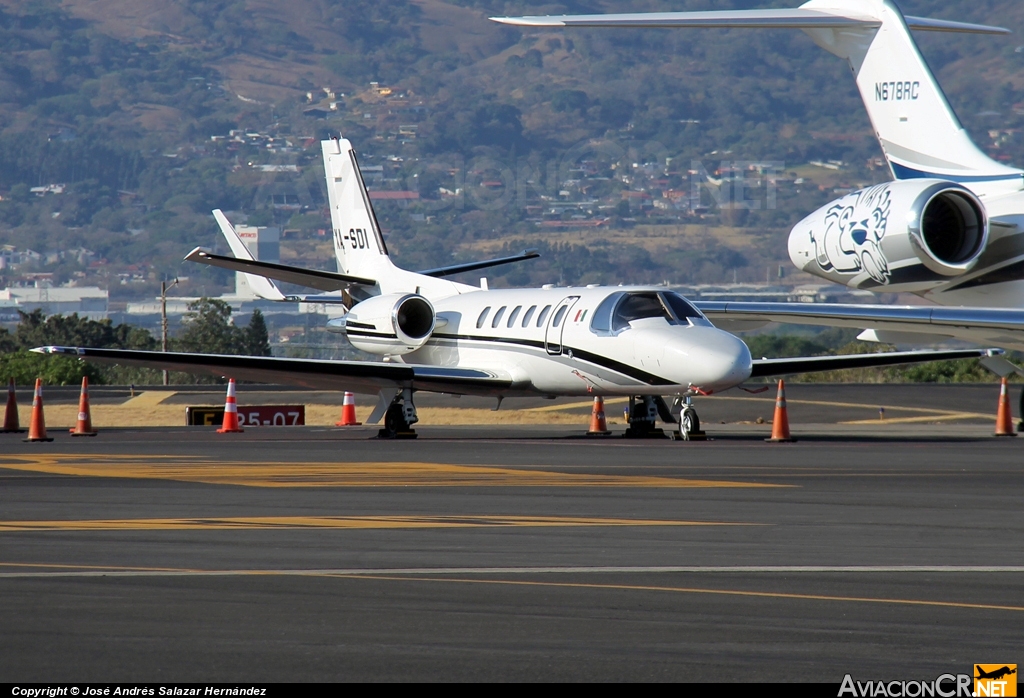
x=556 y=325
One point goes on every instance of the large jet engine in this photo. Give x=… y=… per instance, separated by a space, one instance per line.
x=906 y=236
x=391 y=325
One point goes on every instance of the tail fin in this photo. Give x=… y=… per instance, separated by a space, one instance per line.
x=358 y=243
x=260 y=286
x=915 y=125
x=918 y=130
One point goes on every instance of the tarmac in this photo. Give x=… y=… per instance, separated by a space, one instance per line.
x=887 y=550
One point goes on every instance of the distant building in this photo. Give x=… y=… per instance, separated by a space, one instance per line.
x=88 y=301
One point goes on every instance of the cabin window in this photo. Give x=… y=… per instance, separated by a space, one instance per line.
x=543 y=316
x=483 y=317
x=497 y=316
x=529 y=315
x=559 y=315
x=514 y=315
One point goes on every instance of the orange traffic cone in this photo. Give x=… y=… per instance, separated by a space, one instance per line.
x=780 y=425
x=230 y=425
x=11 y=423
x=37 y=427
x=598 y=424
x=84 y=425
x=348 y=412
x=1004 y=416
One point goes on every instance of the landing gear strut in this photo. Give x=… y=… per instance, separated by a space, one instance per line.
x=399 y=418
x=688 y=421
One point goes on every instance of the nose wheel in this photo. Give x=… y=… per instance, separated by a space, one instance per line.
x=689 y=422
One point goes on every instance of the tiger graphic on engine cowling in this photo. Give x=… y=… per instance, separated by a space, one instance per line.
x=850 y=240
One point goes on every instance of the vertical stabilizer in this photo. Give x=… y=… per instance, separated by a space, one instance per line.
x=916 y=127
x=358 y=242
x=257 y=286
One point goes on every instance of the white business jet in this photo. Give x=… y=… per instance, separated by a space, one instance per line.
x=950 y=227
x=436 y=335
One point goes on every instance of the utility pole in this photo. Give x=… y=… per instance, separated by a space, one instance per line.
x=163 y=322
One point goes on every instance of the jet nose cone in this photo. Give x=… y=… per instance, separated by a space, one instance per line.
x=710 y=359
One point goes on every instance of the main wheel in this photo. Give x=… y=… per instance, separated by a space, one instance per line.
x=394 y=419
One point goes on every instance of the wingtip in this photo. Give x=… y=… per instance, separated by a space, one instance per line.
x=195 y=254
x=529 y=21
x=57 y=350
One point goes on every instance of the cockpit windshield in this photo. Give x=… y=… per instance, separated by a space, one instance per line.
x=637 y=306
x=619 y=309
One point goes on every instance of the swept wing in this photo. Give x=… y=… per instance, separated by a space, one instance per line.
x=373 y=377
x=770 y=19
x=983 y=326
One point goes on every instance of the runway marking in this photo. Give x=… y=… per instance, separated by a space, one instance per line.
x=577 y=405
x=150 y=398
x=340 y=522
x=698 y=590
x=939 y=415
x=435 y=575
x=403 y=474
x=128 y=571
x=919 y=420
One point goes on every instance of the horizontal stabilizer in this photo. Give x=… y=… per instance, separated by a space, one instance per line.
x=320 y=280
x=760 y=19
x=474 y=266
x=320 y=298
x=764 y=368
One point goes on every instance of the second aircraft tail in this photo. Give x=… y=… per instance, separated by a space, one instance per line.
x=915 y=125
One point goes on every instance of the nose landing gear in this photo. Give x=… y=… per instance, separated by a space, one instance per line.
x=645 y=410
x=689 y=422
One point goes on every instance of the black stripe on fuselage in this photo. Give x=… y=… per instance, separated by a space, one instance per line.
x=582 y=355
x=372 y=335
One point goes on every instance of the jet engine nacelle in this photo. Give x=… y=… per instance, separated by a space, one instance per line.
x=908 y=235
x=392 y=325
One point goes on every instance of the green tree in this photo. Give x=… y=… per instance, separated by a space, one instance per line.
x=208 y=329
x=256 y=340
x=24 y=367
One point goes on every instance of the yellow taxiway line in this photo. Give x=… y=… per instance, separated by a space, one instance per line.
x=399 y=474
x=939 y=415
x=697 y=590
x=340 y=522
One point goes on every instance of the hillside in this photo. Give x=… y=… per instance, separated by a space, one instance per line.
x=153 y=113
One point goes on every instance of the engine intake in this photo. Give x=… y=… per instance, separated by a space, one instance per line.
x=391 y=325
x=953 y=227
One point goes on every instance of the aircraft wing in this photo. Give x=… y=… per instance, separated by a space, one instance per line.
x=771 y=19
x=764 y=368
x=368 y=377
x=990 y=327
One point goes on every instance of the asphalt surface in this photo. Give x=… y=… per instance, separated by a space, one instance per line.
x=888 y=551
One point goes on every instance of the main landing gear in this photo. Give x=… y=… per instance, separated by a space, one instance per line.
x=399 y=418
x=645 y=410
